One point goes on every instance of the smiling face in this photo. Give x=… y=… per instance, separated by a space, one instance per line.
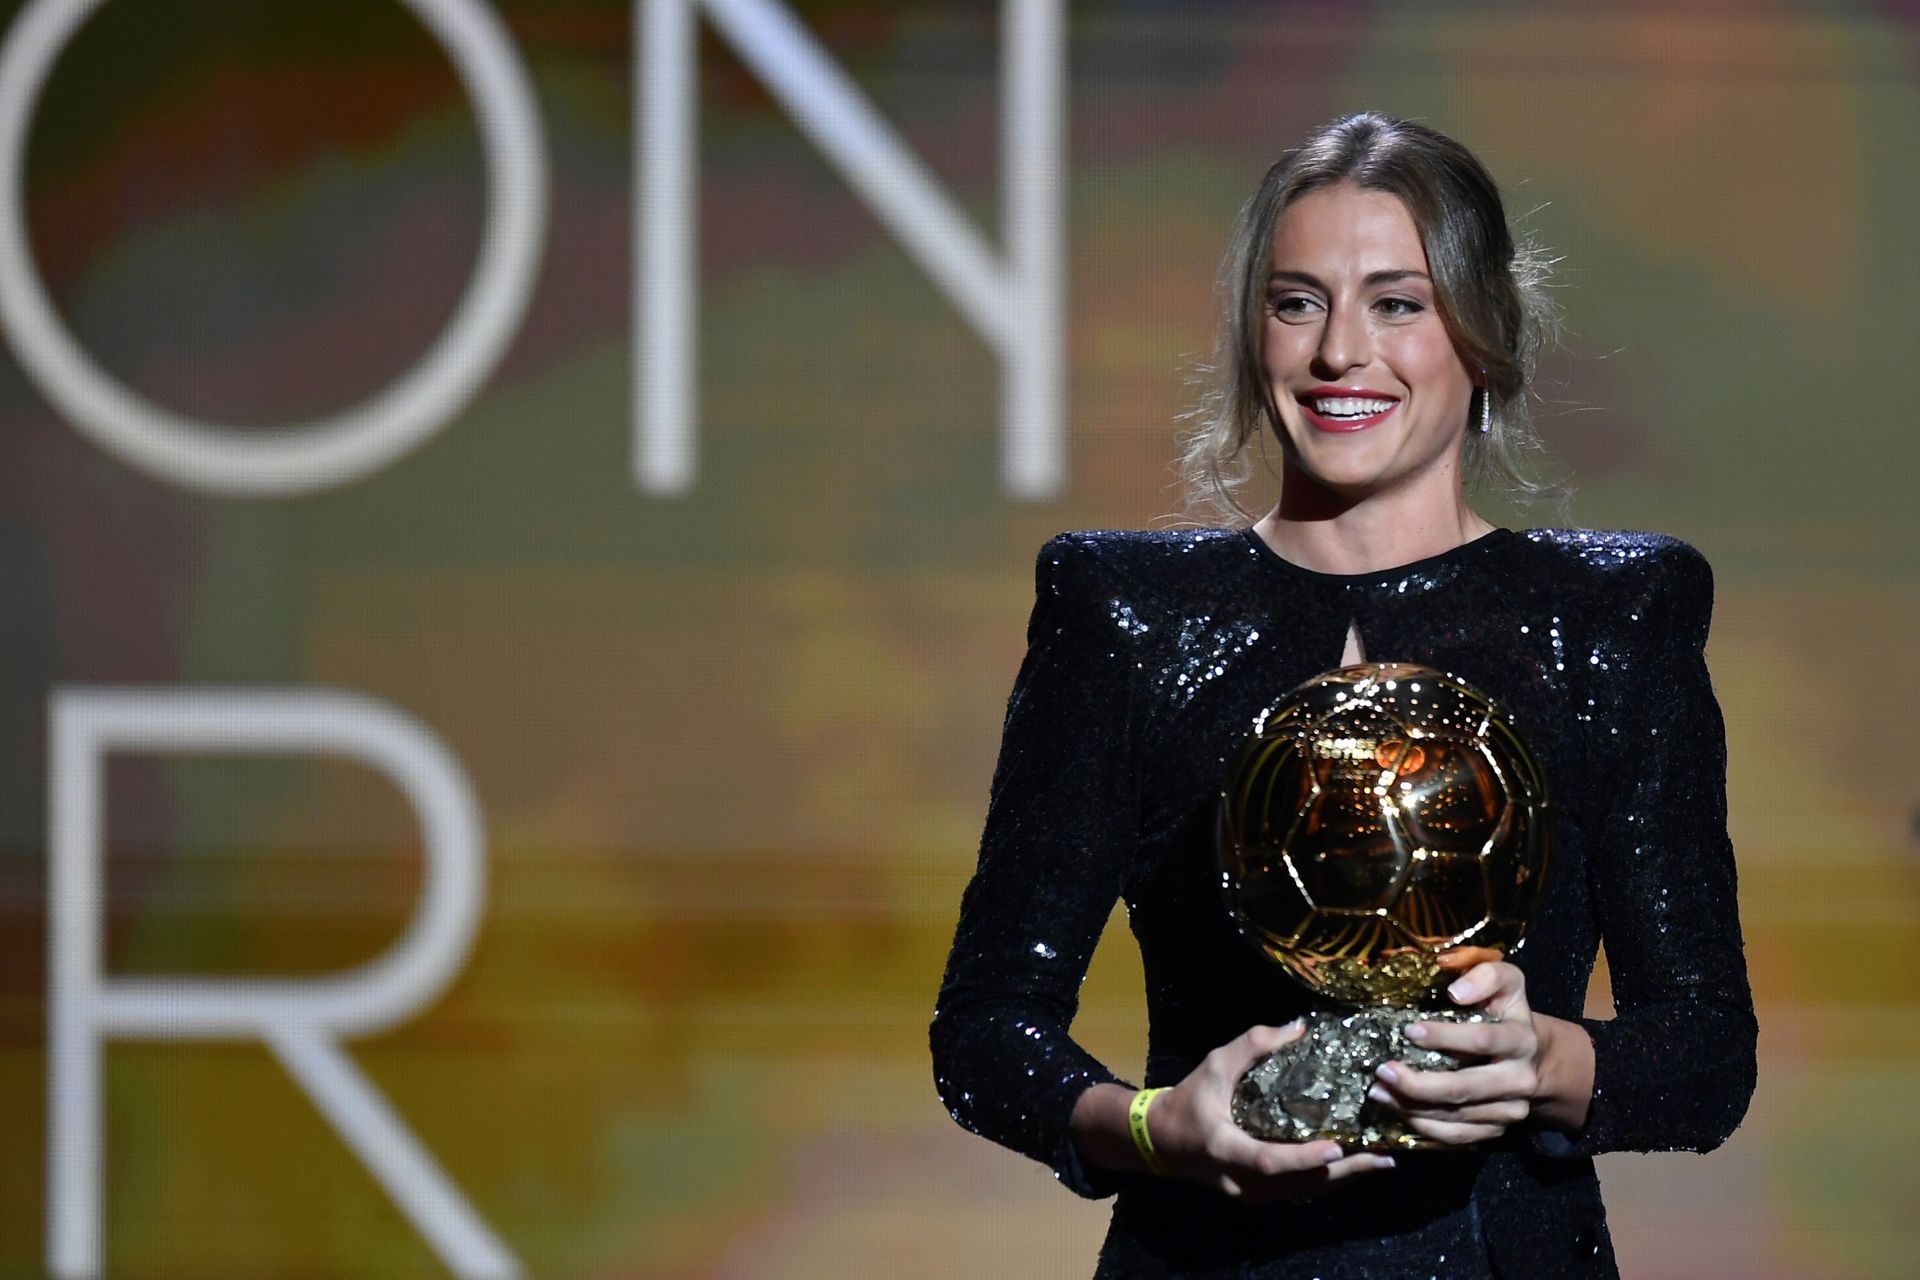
x=1371 y=392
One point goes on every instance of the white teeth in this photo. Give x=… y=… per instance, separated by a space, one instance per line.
x=1351 y=407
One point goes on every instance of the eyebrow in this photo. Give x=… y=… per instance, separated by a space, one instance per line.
x=1373 y=278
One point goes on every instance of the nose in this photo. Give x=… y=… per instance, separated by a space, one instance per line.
x=1345 y=344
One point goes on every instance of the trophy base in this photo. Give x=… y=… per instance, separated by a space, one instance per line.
x=1316 y=1088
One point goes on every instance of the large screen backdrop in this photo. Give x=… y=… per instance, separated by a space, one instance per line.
x=516 y=527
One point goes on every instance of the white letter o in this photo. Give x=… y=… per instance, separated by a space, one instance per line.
x=348 y=445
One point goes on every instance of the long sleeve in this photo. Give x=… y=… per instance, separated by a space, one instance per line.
x=1674 y=1069
x=1060 y=833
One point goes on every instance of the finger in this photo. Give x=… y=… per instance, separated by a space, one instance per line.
x=1508 y=1038
x=1461 y=959
x=1257 y=1043
x=1494 y=985
x=1495 y=1081
x=1298 y=1188
x=1357 y=1163
x=1479 y=982
x=1239 y=1150
x=1267 y=1039
x=1503 y=1112
x=1455 y=1134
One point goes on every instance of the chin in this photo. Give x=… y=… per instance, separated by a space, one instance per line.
x=1350 y=477
x=1351 y=488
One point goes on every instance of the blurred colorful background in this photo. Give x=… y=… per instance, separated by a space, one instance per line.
x=730 y=744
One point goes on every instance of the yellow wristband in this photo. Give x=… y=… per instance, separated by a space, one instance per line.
x=1137 y=1126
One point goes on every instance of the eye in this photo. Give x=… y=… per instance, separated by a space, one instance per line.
x=1398 y=308
x=1292 y=306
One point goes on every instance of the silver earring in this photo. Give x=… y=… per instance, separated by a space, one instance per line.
x=1486 y=411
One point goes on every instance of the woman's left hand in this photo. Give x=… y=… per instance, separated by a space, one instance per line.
x=1487 y=1097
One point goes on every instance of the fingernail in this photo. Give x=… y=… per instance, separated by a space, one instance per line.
x=1385 y=1162
x=1417 y=1032
x=1332 y=1154
x=1386 y=1072
x=1295 y=1025
x=1460 y=990
x=1379 y=1094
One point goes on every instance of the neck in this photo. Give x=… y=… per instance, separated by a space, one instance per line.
x=1319 y=529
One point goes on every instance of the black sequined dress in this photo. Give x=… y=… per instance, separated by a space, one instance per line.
x=1148 y=656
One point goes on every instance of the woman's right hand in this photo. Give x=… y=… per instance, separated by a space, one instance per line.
x=1194 y=1134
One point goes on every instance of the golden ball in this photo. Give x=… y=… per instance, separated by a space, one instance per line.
x=1379 y=818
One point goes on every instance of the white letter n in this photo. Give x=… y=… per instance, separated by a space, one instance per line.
x=302 y=1020
x=1014 y=304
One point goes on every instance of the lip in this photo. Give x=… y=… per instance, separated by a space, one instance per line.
x=1344 y=426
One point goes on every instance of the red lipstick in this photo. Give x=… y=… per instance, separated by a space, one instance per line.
x=1344 y=424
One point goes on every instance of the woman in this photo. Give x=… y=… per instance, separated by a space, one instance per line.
x=1383 y=327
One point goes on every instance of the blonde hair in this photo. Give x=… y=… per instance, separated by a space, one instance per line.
x=1490 y=292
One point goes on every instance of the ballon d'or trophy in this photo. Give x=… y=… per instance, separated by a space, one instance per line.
x=1382 y=829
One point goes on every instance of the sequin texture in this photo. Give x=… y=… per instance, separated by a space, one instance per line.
x=1148 y=656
